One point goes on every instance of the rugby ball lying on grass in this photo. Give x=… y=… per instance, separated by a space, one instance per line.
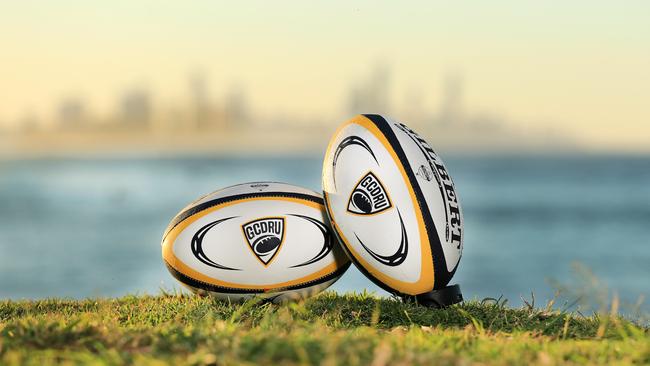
x=255 y=238
x=393 y=204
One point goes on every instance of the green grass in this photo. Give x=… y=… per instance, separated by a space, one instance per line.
x=329 y=329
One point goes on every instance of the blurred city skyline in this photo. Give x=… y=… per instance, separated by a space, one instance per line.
x=202 y=122
x=502 y=75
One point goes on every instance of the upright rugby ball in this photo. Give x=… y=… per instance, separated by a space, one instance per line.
x=251 y=239
x=393 y=205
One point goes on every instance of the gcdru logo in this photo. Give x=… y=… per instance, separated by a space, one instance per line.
x=264 y=236
x=369 y=196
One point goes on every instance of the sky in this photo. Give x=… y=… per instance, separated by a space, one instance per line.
x=581 y=68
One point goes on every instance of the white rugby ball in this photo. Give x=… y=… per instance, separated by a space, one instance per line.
x=393 y=205
x=255 y=238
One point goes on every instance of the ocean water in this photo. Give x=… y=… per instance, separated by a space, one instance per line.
x=92 y=227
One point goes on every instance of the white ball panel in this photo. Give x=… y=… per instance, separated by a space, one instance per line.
x=380 y=232
x=226 y=245
x=303 y=253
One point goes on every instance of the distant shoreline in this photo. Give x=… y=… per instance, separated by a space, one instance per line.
x=191 y=155
x=269 y=142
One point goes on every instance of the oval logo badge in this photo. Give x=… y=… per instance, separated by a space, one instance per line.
x=265 y=237
x=368 y=197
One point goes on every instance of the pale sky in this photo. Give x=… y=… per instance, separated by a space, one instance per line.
x=580 y=67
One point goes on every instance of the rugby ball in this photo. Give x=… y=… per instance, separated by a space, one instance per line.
x=393 y=205
x=262 y=238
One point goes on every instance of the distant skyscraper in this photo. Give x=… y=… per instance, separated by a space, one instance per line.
x=135 y=108
x=200 y=104
x=71 y=114
x=451 y=106
x=373 y=94
x=236 y=107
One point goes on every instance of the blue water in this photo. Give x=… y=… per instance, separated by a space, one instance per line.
x=81 y=228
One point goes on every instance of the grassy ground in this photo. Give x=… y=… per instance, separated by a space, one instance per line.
x=329 y=329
